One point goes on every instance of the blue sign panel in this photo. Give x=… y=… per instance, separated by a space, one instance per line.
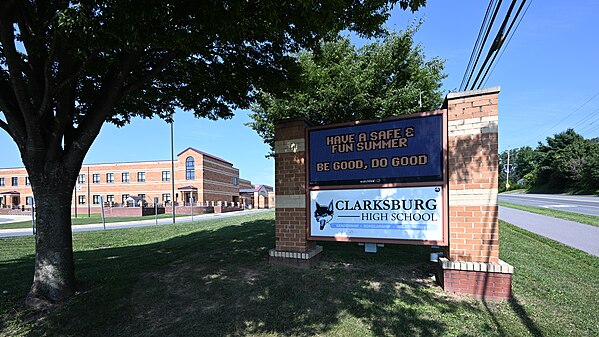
x=401 y=150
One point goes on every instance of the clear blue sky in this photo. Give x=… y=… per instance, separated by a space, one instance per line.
x=548 y=71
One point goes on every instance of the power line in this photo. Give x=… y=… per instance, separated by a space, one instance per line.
x=588 y=126
x=497 y=43
x=509 y=39
x=589 y=132
x=478 y=40
x=563 y=119
x=494 y=50
x=586 y=119
x=484 y=41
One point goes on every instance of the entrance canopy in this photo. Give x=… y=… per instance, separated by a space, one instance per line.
x=188 y=189
x=15 y=193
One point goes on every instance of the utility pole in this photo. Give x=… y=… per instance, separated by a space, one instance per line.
x=507 y=178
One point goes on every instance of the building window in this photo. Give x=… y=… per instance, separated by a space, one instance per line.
x=27 y=182
x=15 y=181
x=166 y=175
x=110 y=198
x=166 y=197
x=190 y=168
x=110 y=177
x=96 y=199
x=81 y=199
x=28 y=200
x=96 y=178
x=141 y=177
x=81 y=179
x=1 y=181
x=125 y=177
x=124 y=198
x=235 y=182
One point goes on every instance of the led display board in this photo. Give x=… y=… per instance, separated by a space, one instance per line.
x=393 y=151
x=379 y=181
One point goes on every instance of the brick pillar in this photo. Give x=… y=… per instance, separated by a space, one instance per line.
x=292 y=246
x=472 y=265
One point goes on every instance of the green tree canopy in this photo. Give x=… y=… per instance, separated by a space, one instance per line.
x=67 y=67
x=561 y=159
x=567 y=162
x=340 y=83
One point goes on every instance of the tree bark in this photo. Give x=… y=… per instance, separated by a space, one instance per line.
x=54 y=277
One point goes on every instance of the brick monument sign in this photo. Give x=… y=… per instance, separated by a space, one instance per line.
x=427 y=179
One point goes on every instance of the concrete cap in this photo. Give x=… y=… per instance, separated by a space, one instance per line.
x=478 y=92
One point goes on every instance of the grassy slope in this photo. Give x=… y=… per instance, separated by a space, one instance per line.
x=577 y=217
x=213 y=279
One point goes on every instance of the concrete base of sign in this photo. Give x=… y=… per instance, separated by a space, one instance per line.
x=489 y=281
x=295 y=259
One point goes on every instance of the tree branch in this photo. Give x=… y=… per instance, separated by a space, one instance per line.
x=13 y=60
x=63 y=119
x=108 y=95
x=143 y=79
x=10 y=111
x=77 y=72
x=48 y=91
x=4 y=126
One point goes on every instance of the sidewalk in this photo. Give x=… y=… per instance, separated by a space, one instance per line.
x=151 y=221
x=573 y=234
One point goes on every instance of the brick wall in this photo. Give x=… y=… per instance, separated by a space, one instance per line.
x=490 y=281
x=245 y=184
x=472 y=266
x=290 y=182
x=218 y=181
x=473 y=173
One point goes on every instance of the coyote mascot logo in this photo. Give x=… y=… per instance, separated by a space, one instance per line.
x=323 y=214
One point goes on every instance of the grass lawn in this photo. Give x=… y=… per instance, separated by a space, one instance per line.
x=577 y=217
x=212 y=278
x=93 y=219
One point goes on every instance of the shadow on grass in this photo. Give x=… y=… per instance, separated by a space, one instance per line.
x=218 y=282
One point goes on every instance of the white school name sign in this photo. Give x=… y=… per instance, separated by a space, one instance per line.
x=368 y=194
x=414 y=213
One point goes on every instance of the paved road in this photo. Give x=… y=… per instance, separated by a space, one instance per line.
x=4 y=219
x=4 y=233
x=569 y=203
x=573 y=234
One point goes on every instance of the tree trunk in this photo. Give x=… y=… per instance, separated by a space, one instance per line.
x=54 y=276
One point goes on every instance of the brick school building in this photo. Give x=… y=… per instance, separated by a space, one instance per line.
x=199 y=177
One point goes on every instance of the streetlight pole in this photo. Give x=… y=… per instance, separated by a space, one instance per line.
x=173 y=169
x=88 y=194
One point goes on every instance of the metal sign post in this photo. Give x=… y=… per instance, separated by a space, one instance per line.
x=102 y=206
x=75 y=199
x=156 y=209
x=33 y=215
x=191 y=202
